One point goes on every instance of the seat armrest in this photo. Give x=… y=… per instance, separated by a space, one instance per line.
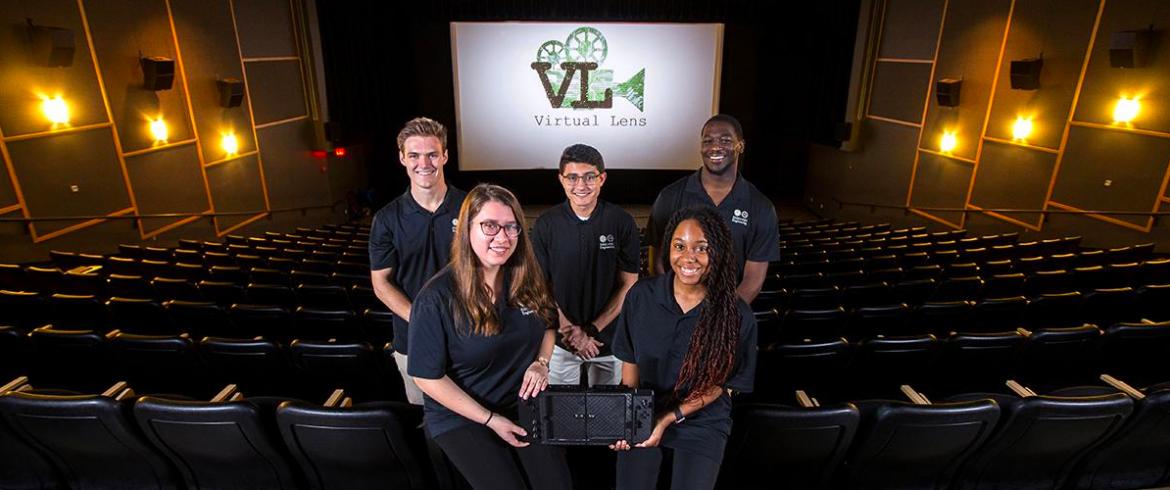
x=914 y=396
x=1020 y=389
x=1123 y=386
x=228 y=393
x=335 y=398
x=15 y=384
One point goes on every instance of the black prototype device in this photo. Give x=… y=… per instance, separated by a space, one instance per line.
x=569 y=415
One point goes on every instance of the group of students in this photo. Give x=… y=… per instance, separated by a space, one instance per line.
x=486 y=315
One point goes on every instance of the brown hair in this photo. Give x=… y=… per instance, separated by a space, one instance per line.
x=472 y=300
x=422 y=126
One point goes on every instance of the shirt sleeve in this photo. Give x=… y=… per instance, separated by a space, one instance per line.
x=382 y=252
x=629 y=258
x=623 y=344
x=765 y=240
x=540 y=244
x=427 y=346
x=743 y=375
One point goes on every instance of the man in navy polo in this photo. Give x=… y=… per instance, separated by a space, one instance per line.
x=746 y=210
x=589 y=251
x=410 y=238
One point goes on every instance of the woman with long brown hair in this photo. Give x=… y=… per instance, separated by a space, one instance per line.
x=689 y=337
x=481 y=333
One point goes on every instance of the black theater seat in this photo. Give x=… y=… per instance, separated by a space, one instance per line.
x=323 y=297
x=166 y=288
x=775 y=446
x=356 y=367
x=973 y=362
x=1105 y=307
x=223 y=293
x=159 y=364
x=21 y=466
x=1138 y=455
x=12 y=277
x=1004 y=285
x=14 y=353
x=958 y=289
x=942 y=317
x=47 y=280
x=140 y=316
x=881 y=364
x=128 y=286
x=1056 y=310
x=312 y=323
x=870 y=321
x=200 y=318
x=1137 y=352
x=22 y=309
x=257 y=366
x=217 y=444
x=1060 y=356
x=270 y=321
x=76 y=311
x=823 y=323
x=70 y=359
x=1000 y=314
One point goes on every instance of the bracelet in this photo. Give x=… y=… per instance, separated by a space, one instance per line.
x=543 y=361
x=489 y=419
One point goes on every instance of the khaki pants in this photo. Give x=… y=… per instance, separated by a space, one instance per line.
x=413 y=394
x=565 y=369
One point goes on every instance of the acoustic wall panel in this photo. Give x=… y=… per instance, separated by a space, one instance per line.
x=1062 y=37
x=47 y=168
x=888 y=157
x=283 y=94
x=1013 y=177
x=941 y=182
x=1134 y=166
x=899 y=90
x=910 y=29
x=24 y=80
x=969 y=50
x=266 y=28
x=294 y=176
x=234 y=188
x=120 y=40
x=167 y=181
x=7 y=191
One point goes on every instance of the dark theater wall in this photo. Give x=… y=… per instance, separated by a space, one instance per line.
x=1077 y=158
x=104 y=163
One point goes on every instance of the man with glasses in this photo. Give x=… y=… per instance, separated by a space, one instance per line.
x=589 y=251
x=747 y=211
x=410 y=238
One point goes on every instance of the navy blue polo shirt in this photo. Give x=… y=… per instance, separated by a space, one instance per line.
x=415 y=242
x=582 y=260
x=655 y=334
x=490 y=369
x=747 y=211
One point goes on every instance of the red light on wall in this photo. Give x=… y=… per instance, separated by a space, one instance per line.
x=339 y=152
x=320 y=154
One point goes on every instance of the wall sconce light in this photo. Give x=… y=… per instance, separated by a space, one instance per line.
x=158 y=130
x=948 y=142
x=1021 y=128
x=230 y=144
x=1126 y=110
x=55 y=109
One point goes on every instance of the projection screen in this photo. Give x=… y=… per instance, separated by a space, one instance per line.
x=638 y=92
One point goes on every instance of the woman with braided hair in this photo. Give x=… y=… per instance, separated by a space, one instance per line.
x=689 y=337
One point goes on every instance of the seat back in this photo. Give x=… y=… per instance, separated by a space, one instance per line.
x=89 y=438
x=73 y=359
x=353 y=366
x=973 y=362
x=883 y=363
x=216 y=444
x=777 y=445
x=1061 y=356
x=811 y=365
x=142 y=316
x=23 y=309
x=257 y=366
x=159 y=364
x=328 y=443
x=1138 y=455
x=1137 y=352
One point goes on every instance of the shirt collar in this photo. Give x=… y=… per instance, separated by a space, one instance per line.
x=664 y=295
x=414 y=206
x=739 y=190
x=572 y=215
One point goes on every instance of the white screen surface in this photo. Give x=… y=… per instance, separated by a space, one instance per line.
x=662 y=82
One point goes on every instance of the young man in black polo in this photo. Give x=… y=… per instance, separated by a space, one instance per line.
x=410 y=238
x=746 y=210
x=589 y=251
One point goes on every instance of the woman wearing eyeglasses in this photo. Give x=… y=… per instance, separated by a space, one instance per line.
x=481 y=333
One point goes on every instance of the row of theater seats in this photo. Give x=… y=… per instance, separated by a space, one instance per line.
x=1088 y=437
x=959 y=362
x=193 y=367
x=119 y=439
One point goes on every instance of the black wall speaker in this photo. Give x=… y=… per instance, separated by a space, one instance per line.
x=158 y=73
x=947 y=90
x=231 y=92
x=1129 y=49
x=1025 y=74
x=52 y=46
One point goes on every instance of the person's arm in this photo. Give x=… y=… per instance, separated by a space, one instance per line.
x=536 y=376
x=447 y=393
x=669 y=418
x=389 y=294
x=614 y=306
x=753 y=279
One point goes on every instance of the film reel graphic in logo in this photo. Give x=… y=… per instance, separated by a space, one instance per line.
x=572 y=78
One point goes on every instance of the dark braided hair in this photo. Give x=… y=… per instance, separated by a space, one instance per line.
x=711 y=354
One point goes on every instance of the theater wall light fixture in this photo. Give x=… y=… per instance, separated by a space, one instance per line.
x=948 y=142
x=1126 y=109
x=159 y=130
x=1022 y=128
x=55 y=109
x=229 y=143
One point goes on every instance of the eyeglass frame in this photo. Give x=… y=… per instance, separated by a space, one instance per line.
x=483 y=228
x=588 y=179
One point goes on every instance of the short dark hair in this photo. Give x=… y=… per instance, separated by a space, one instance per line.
x=582 y=153
x=422 y=126
x=729 y=119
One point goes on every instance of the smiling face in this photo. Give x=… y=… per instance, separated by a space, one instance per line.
x=688 y=253
x=493 y=251
x=582 y=193
x=423 y=157
x=720 y=147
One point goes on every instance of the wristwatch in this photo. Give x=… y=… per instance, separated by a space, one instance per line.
x=678 y=415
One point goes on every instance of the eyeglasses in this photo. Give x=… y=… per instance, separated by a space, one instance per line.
x=589 y=178
x=491 y=228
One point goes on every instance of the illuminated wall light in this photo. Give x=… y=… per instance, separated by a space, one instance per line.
x=158 y=130
x=55 y=109
x=339 y=152
x=948 y=142
x=1021 y=128
x=1126 y=109
x=230 y=143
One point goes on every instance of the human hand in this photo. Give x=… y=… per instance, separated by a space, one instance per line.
x=588 y=347
x=620 y=445
x=664 y=421
x=508 y=431
x=535 y=380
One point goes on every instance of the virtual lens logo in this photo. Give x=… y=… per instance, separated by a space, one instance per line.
x=573 y=67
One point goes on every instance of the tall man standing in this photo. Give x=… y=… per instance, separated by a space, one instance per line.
x=747 y=211
x=410 y=238
x=589 y=251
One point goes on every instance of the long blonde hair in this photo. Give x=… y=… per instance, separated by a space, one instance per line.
x=528 y=288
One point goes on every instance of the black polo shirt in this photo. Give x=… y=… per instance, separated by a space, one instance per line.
x=746 y=210
x=415 y=242
x=582 y=260
x=489 y=369
x=655 y=334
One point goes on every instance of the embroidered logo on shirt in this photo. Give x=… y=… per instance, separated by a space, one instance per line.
x=525 y=311
x=739 y=217
x=606 y=242
x=454 y=224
